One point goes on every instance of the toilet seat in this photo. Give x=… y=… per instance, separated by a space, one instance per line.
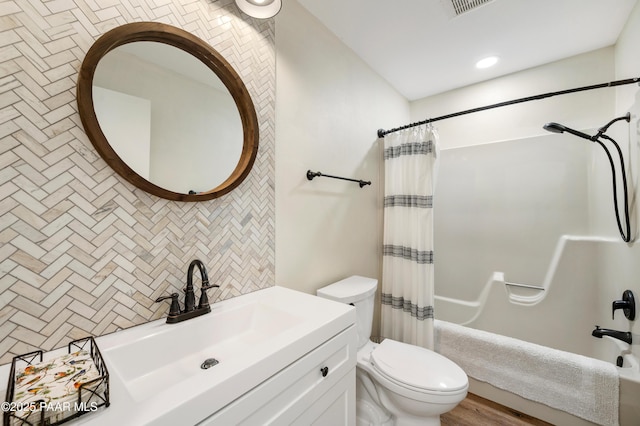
x=419 y=372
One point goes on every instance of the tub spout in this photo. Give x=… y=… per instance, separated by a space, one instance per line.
x=625 y=336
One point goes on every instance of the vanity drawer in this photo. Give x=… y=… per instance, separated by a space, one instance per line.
x=300 y=387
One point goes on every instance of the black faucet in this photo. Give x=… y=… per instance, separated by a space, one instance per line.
x=189 y=297
x=190 y=309
x=625 y=336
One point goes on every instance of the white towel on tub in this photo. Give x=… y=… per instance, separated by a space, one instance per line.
x=585 y=387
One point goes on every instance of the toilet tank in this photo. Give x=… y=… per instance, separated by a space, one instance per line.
x=360 y=292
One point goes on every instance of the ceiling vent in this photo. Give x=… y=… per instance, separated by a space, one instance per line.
x=458 y=7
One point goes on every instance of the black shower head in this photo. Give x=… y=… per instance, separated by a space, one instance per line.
x=559 y=128
x=554 y=127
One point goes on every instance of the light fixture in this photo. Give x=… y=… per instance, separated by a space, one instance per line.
x=261 y=9
x=487 y=62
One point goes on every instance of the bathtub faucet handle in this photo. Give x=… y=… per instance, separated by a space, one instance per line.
x=627 y=304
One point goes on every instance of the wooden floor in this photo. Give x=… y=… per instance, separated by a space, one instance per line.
x=477 y=411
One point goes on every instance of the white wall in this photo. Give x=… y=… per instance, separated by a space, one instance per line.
x=125 y=121
x=620 y=263
x=628 y=97
x=627 y=60
x=329 y=106
x=580 y=110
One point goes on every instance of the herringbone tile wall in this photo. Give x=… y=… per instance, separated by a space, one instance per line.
x=82 y=251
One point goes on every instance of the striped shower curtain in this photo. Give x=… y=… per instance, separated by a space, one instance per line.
x=407 y=263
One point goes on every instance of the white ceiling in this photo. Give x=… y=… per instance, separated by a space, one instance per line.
x=421 y=50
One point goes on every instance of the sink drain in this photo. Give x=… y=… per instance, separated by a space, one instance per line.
x=208 y=363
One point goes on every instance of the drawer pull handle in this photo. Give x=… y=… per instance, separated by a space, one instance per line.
x=324 y=371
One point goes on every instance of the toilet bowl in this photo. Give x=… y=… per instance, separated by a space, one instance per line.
x=396 y=383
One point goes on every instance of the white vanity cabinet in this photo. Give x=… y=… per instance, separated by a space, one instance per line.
x=272 y=347
x=318 y=388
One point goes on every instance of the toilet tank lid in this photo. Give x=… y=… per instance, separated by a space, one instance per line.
x=349 y=290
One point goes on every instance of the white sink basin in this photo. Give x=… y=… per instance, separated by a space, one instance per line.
x=172 y=353
x=155 y=368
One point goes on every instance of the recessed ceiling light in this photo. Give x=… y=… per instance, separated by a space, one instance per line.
x=487 y=62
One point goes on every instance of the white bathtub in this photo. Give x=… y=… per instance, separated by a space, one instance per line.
x=561 y=313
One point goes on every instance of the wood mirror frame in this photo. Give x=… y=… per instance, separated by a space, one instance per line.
x=163 y=33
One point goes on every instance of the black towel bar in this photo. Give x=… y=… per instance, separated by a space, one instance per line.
x=311 y=175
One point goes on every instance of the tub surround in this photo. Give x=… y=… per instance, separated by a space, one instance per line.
x=568 y=283
x=155 y=368
x=573 y=271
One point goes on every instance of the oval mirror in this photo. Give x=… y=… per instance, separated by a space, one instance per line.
x=167 y=112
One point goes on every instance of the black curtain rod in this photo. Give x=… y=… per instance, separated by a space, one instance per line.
x=382 y=133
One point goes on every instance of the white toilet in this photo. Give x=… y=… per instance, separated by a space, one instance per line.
x=396 y=383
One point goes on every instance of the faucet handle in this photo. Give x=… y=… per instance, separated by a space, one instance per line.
x=207 y=286
x=175 y=305
x=204 y=299
x=627 y=304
